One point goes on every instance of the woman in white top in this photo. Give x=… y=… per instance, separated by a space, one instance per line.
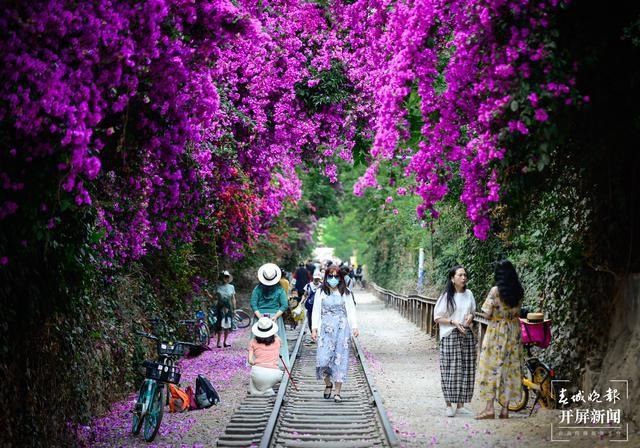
x=332 y=321
x=454 y=314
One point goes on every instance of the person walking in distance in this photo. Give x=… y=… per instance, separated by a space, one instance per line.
x=454 y=313
x=309 y=295
x=332 y=323
x=359 y=276
x=302 y=277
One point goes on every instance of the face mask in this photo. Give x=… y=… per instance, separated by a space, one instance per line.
x=333 y=282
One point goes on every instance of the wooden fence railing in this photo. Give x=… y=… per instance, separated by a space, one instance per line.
x=419 y=310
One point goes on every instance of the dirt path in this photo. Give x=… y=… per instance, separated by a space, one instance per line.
x=405 y=363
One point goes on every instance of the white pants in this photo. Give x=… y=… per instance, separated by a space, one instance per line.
x=263 y=379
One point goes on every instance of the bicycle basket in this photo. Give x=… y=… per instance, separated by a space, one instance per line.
x=536 y=333
x=162 y=372
x=171 y=349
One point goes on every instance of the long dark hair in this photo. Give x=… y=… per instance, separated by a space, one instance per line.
x=266 y=341
x=450 y=290
x=508 y=283
x=342 y=286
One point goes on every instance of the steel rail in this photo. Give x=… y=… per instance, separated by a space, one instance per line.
x=382 y=413
x=248 y=423
x=282 y=390
x=303 y=419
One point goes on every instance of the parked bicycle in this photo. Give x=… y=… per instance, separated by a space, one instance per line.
x=537 y=376
x=149 y=407
x=198 y=329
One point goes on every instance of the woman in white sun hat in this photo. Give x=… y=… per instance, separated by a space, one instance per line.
x=263 y=357
x=270 y=300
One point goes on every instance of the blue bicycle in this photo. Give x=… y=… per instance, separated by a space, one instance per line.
x=198 y=330
x=149 y=407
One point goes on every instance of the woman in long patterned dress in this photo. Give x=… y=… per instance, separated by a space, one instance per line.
x=225 y=307
x=499 y=369
x=332 y=321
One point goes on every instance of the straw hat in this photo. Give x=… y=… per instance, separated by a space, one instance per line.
x=269 y=274
x=264 y=328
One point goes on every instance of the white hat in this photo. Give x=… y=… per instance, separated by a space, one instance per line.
x=317 y=274
x=269 y=274
x=264 y=328
x=227 y=274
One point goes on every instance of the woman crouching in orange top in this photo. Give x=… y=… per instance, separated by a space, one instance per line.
x=263 y=356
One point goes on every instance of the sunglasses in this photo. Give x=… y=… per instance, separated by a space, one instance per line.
x=333 y=276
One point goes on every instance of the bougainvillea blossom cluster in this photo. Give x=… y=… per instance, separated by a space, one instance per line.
x=469 y=61
x=173 y=119
x=164 y=116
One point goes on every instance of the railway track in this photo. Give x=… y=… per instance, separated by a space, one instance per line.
x=304 y=419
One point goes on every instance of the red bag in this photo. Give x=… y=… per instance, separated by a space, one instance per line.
x=193 y=404
x=536 y=333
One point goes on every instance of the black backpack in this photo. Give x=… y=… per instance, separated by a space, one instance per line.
x=206 y=395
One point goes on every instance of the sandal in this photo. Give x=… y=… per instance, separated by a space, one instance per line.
x=485 y=415
x=337 y=398
x=326 y=394
x=505 y=415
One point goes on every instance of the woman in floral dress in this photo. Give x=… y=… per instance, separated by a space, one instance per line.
x=332 y=321
x=500 y=370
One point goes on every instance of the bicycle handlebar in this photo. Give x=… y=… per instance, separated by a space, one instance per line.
x=156 y=338
x=146 y=335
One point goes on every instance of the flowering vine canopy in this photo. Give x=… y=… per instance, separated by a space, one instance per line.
x=173 y=119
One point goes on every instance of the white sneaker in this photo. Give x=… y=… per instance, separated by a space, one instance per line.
x=450 y=412
x=464 y=411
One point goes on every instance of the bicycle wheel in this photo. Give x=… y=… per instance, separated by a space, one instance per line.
x=136 y=422
x=154 y=415
x=242 y=319
x=204 y=337
x=547 y=394
x=521 y=402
